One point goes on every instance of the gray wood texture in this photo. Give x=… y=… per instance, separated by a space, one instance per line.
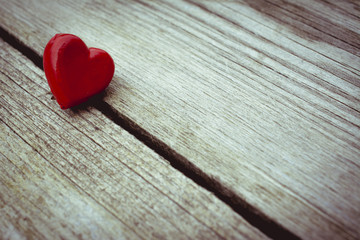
x=76 y=174
x=261 y=96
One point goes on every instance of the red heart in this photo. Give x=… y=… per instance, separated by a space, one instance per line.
x=74 y=71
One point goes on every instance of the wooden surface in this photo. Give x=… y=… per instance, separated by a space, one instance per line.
x=260 y=100
x=62 y=168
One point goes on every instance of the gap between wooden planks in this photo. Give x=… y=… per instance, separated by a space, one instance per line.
x=267 y=104
x=250 y=214
x=75 y=174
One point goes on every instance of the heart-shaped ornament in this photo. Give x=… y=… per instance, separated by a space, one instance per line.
x=74 y=71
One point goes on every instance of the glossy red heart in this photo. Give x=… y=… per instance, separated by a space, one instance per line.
x=74 y=71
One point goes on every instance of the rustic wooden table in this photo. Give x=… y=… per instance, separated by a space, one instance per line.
x=224 y=119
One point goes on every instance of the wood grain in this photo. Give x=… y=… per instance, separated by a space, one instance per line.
x=262 y=96
x=76 y=174
x=37 y=202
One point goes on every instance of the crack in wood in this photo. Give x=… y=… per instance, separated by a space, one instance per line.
x=255 y=217
x=21 y=47
x=180 y=163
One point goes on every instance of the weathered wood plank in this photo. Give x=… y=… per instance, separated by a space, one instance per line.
x=37 y=202
x=261 y=95
x=76 y=174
